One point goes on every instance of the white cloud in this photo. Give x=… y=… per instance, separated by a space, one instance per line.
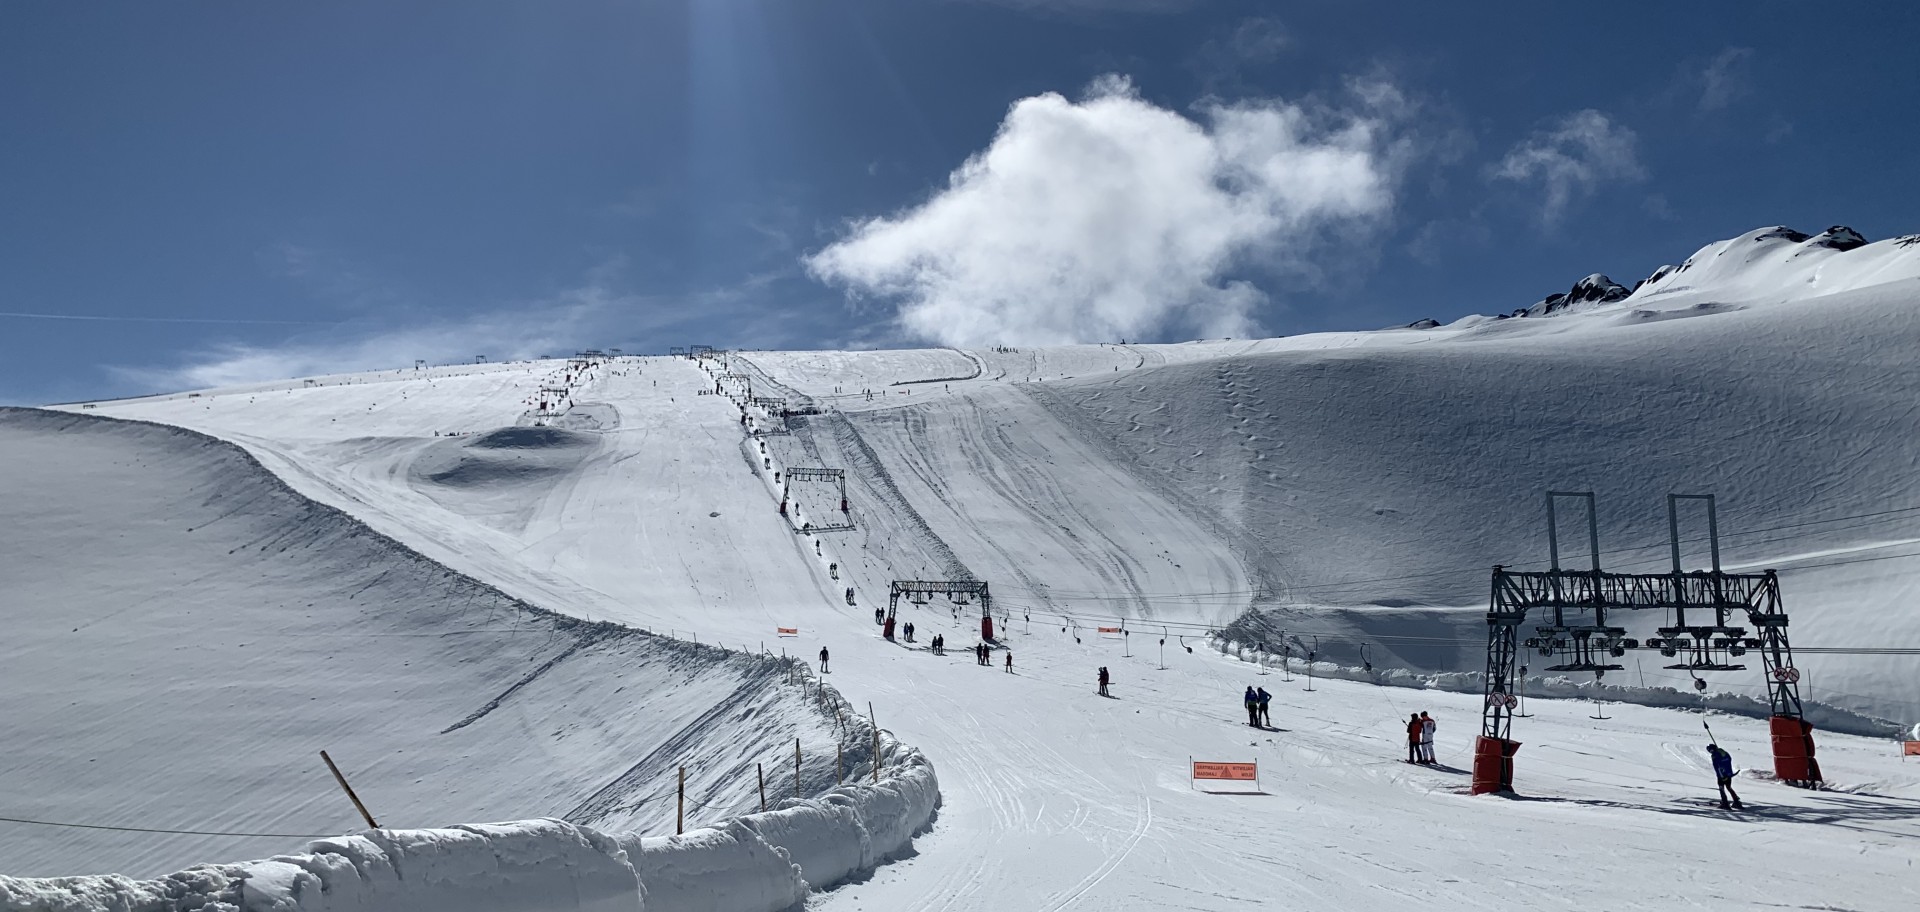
x=1724 y=79
x=1111 y=217
x=1571 y=159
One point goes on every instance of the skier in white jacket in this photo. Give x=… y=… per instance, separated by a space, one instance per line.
x=1426 y=738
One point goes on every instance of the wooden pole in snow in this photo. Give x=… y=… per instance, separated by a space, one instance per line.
x=760 y=773
x=680 y=810
x=876 y=742
x=349 y=790
x=796 y=767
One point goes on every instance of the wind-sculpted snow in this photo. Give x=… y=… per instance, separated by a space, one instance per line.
x=186 y=634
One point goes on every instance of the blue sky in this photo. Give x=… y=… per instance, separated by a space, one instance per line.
x=198 y=193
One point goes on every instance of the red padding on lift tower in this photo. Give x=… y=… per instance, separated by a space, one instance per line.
x=1493 y=764
x=986 y=629
x=1793 y=750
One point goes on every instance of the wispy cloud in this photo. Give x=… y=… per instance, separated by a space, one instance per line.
x=122 y=318
x=1084 y=7
x=1253 y=43
x=1725 y=78
x=1571 y=159
x=1258 y=39
x=1111 y=217
x=593 y=313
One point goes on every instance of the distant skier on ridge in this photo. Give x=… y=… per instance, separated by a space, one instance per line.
x=823 y=660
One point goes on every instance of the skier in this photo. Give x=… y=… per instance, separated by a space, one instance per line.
x=909 y=631
x=1415 y=728
x=1103 y=681
x=879 y=615
x=1426 y=738
x=823 y=660
x=1266 y=714
x=1723 y=772
x=1253 y=708
x=1009 y=661
x=986 y=657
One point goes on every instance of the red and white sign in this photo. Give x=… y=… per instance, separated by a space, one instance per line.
x=1109 y=629
x=1233 y=772
x=1910 y=748
x=788 y=631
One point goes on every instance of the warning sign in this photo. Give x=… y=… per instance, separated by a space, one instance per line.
x=1109 y=630
x=788 y=631
x=1910 y=748
x=1236 y=772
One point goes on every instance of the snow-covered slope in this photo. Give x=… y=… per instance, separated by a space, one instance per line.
x=1352 y=486
x=184 y=635
x=1362 y=490
x=1765 y=265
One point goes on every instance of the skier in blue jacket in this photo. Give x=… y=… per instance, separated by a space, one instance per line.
x=1723 y=772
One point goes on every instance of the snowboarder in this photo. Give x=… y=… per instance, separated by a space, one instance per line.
x=1723 y=773
x=1253 y=708
x=1103 y=681
x=1415 y=728
x=823 y=660
x=1266 y=714
x=1009 y=661
x=1426 y=738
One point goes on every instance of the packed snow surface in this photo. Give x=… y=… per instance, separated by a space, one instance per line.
x=1352 y=489
x=186 y=634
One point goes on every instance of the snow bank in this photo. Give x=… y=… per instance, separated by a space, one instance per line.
x=723 y=868
x=510 y=867
x=762 y=862
x=821 y=841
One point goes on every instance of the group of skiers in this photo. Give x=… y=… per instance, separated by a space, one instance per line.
x=1257 y=701
x=983 y=654
x=1420 y=728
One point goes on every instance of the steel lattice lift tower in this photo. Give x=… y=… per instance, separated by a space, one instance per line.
x=958 y=590
x=837 y=476
x=1702 y=606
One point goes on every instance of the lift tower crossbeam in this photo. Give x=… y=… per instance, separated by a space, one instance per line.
x=1573 y=604
x=956 y=589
